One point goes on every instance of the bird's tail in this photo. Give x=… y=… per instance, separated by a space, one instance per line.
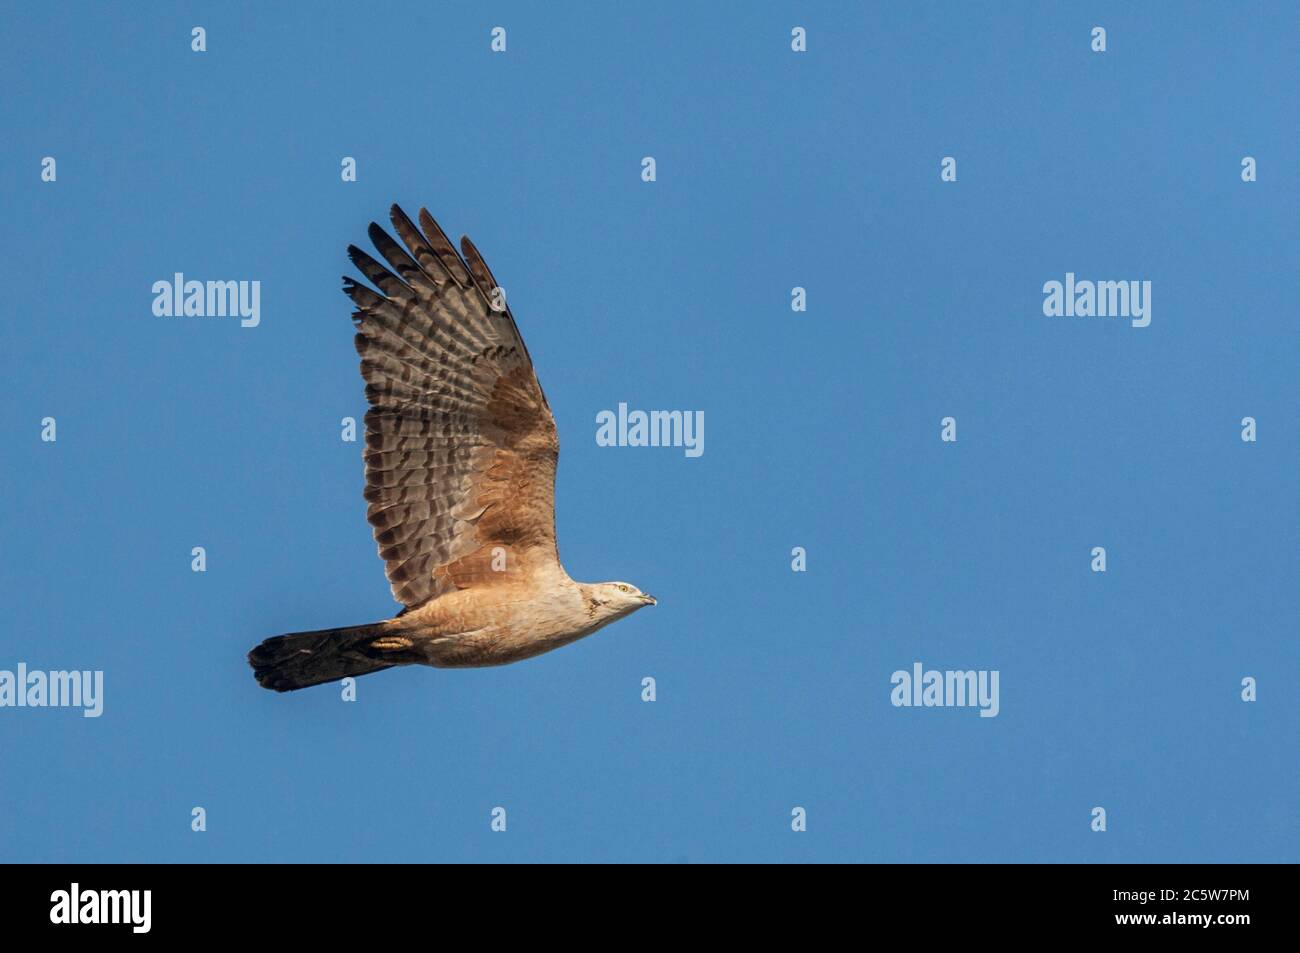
x=301 y=659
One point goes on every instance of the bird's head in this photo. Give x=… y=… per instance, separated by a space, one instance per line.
x=617 y=598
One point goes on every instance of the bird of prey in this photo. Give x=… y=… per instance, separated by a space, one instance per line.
x=460 y=462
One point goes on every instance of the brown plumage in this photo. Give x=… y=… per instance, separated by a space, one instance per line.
x=460 y=457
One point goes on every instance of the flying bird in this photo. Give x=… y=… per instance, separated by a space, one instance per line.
x=460 y=458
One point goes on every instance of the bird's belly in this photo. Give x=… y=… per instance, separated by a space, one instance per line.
x=507 y=633
x=493 y=646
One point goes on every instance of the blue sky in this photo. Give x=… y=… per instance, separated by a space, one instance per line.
x=774 y=170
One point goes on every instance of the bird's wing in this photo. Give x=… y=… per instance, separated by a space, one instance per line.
x=460 y=442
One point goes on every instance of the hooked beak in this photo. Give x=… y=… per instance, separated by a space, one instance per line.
x=649 y=600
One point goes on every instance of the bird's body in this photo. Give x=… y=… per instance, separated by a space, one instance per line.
x=512 y=623
x=461 y=452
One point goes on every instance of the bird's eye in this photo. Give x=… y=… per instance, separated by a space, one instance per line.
x=625 y=588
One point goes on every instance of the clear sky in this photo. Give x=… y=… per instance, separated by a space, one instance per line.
x=775 y=169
